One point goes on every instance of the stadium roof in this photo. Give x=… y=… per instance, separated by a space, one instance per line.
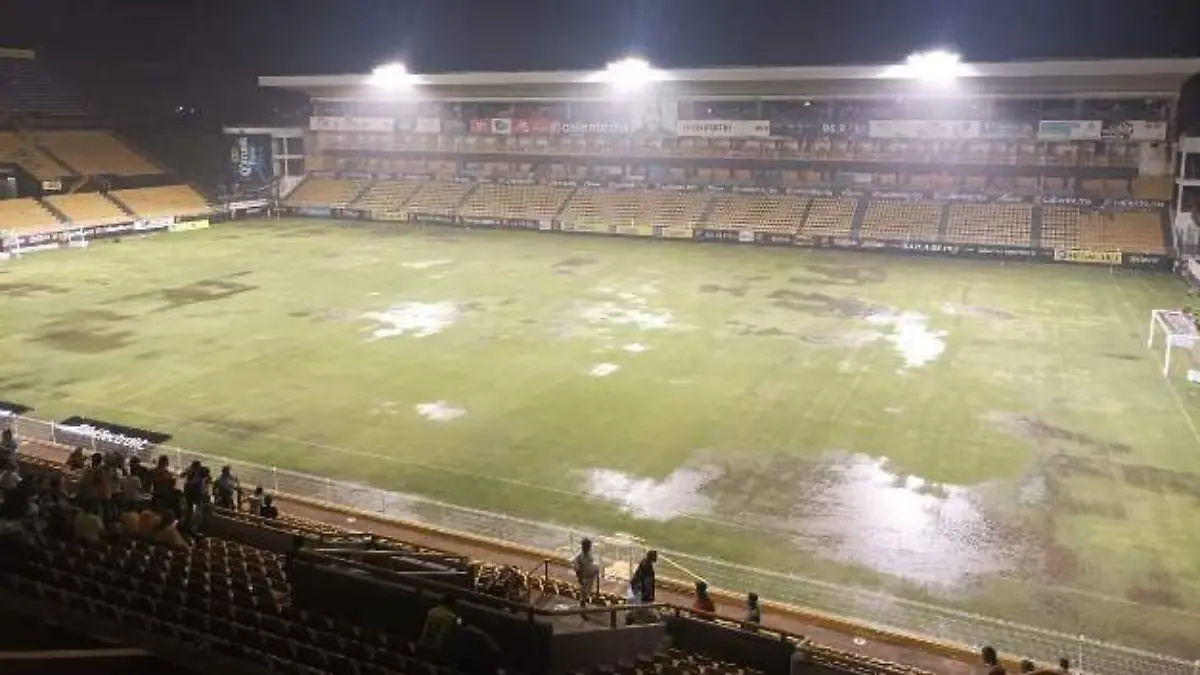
x=1127 y=78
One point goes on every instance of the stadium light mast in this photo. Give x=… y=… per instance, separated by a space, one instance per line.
x=392 y=77
x=629 y=75
x=937 y=68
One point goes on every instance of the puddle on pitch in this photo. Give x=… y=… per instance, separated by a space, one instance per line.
x=439 y=411
x=603 y=369
x=425 y=264
x=679 y=494
x=911 y=336
x=419 y=319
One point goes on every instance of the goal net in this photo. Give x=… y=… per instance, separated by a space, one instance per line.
x=1178 y=332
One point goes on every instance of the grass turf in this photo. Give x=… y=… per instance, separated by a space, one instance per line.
x=995 y=437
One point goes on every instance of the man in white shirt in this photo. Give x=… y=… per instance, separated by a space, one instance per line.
x=131 y=490
x=587 y=572
x=88 y=526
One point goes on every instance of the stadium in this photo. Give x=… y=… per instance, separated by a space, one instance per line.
x=904 y=350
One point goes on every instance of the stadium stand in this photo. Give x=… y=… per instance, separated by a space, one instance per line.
x=830 y=216
x=87 y=208
x=768 y=213
x=437 y=198
x=93 y=153
x=916 y=221
x=30 y=89
x=16 y=150
x=1062 y=226
x=527 y=202
x=157 y=202
x=385 y=199
x=1140 y=232
x=332 y=192
x=25 y=215
x=994 y=224
x=639 y=207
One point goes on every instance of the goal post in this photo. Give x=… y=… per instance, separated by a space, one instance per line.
x=1179 y=332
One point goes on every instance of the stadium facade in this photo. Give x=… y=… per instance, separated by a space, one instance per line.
x=1065 y=160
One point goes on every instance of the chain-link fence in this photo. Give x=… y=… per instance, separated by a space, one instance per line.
x=618 y=556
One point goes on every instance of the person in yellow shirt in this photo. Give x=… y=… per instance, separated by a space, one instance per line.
x=439 y=626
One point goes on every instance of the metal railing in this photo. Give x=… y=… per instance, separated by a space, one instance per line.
x=617 y=557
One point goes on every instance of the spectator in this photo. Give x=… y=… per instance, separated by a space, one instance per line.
x=131 y=523
x=1027 y=666
x=268 y=510
x=642 y=583
x=148 y=522
x=225 y=488
x=586 y=571
x=19 y=500
x=131 y=490
x=141 y=472
x=1064 y=665
x=799 y=663
x=753 y=613
x=10 y=478
x=473 y=651
x=162 y=483
x=76 y=460
x=991 y=660
x=95 y=485
x=168 y=534
x=8 y=445
x=440 y=623
x=703 y=602
x=88 y=526
x=254 y=502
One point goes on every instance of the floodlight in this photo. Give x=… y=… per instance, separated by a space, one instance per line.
x=392 y=76
x=937 y=67
x=628 y=74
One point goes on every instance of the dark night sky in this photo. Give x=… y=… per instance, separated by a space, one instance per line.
x=317 y=36
x=138 y=59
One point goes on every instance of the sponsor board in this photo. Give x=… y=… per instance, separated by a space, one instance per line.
x=314 y=211
x=52 y=186
x=723 y=128
x=78 y=430
x=924 y=129
x=596 y=128
x=428 y=125
x=188 y=226
x=353 y=124
x=712 y=234
x=501 y=126
x=596 y=228
x=247 y=205
x=635 y=230
x=1085 y=202
x=773 y=238
x=1083 y=255
x=1069 y=130
x=8 y=409
x=674 y=232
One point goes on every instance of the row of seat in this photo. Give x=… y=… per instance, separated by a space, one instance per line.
x=864 y=149
x=999 y=224
x=32 y=215
x=51 y=155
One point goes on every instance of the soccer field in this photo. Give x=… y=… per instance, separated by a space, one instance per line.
x=994 y=437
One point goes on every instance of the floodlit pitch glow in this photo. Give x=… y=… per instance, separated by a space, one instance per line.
x=938 y=68
x=392 y=76
x=629 y=74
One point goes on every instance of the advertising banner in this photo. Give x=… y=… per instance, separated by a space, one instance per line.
x=723 y=128
x=674 y=232
x=250 y=164
x=1069 y=130
x=108 y=435
x=501 y=126
x=353 y=124
x=10 y=409
x=1151 y=205
x=1006 y=130
x=595 y=128
x=1083 y=255
x=924 y=129
x=481 y=126
x=190 y=225
x=428 y=125
x=635 y=230
x=544 y=126
x=1147 y=131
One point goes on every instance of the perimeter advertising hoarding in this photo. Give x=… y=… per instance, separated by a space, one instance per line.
x=723 y=128
x=925 y=129
x=353 y=124
x=1069 y=130
x=250 y=159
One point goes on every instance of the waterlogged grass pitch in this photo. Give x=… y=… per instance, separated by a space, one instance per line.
x=995 y=437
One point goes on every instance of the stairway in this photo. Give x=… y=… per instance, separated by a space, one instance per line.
x=943 y=223
x=62 y=217
x=860 y=212
x=1035 y=227
x=120 y=204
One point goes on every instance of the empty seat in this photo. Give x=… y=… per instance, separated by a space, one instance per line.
x=991 y=224
x=87 y=209
x=26 y=215
x=159 y=202
x=902 y=220
x=92 y=153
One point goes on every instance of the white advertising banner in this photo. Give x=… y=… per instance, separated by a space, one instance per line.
x=723 y=128
x=502 y=125
x=1069 y=130
x=428 y=125
x=1147 y=131
x=355 y=124
x=922 y=129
